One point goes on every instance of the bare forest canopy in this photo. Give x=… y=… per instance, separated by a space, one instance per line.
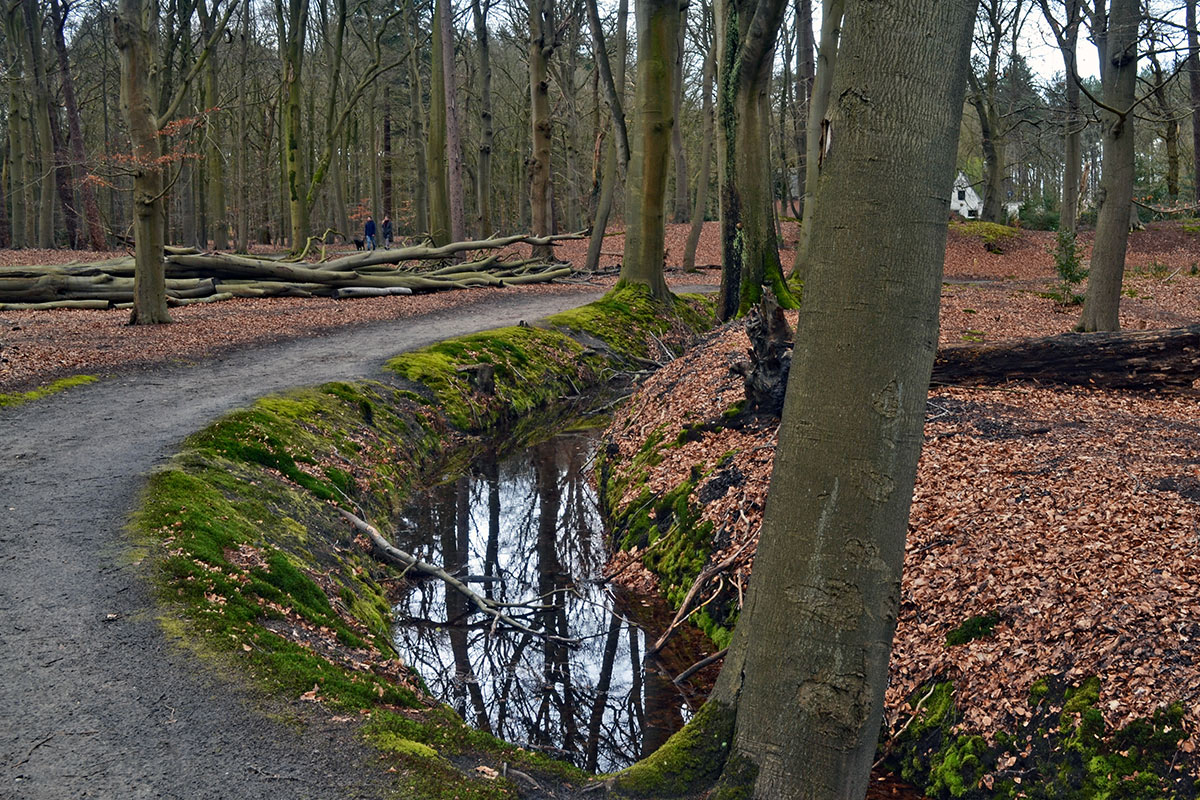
x=302 y=115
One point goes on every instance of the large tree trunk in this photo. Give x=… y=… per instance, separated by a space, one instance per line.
x=806 y=71
x=416 y=127
x=706 y=142
x=454 y=167
x=617 y=146
x=746 y=31
x=1117 y=44
x=214 y=159
x=95 y=230
x=1193 y=70
x=292 y=24
x=833 y=11
x=439 y=187
x=541 y=183
x=130 y=31
x=41 y=115
x=821 y=612
x=680 y=211
x=1155 y=359
x=657 y=40
x=483 y=180
x=802 y=684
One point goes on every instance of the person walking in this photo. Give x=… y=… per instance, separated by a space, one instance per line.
x=387 y=232
x=369 y=233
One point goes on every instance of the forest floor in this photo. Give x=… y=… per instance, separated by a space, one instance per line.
x=1069 y=515
x=1108 y=483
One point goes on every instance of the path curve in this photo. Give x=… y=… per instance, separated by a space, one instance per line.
x=95 y=700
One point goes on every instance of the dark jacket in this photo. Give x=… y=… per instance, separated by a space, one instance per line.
x=387 y=229
x=369 y=230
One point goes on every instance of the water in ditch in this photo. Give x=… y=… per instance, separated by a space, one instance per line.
x=525 y=529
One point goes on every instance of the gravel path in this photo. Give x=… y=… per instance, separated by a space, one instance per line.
x=95 y=700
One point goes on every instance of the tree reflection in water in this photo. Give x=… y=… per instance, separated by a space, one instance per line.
x=524 y=528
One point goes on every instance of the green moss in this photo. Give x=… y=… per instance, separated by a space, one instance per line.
x=957 y=768
x=994 y=236
x=977 y=627
x=62 y=384
x=690 y=761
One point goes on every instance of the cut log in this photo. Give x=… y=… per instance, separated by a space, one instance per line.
x=1154 y=359
x=92 y=304
x=370 y=291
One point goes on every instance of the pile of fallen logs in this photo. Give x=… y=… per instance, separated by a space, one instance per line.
x=197 y=277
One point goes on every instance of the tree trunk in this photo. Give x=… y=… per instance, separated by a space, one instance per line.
x=1193 y=70
x=541 y=183
x=439 y=188
x=214 y=157
x=17 y=128
x=41 y=115
x=483 y=180
x=657 y=40
x=832 y=14
x=291 y=55
x=818 y=622
x=680 y=208
x=95 y=229
x=746 y=31
x=806 y=71
x=617 y=146
x=416 y=126
x=1155 y=360
x=241 y=164
x=130 y=31
x=454 y=173
x=698 y=211
x=1117 y=44
x=388 y=208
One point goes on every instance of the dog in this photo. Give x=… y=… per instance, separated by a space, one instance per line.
x=358 y=244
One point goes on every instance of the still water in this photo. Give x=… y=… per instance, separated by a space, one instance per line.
x=525 y=529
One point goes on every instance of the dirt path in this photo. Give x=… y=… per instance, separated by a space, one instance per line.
x=95 y=700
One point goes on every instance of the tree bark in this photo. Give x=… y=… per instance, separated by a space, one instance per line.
x=1155 y=359
x=541 y=185
x=438 y=168
x=616 y=148
x=292 y=23
x=803 y=681
x=1117 y=44
x=822 y=607
x=706 y=142
x=41 y=115
x=483 y=180
x=454 y=174
x=657 y=40
x=833 y=12
x=416 y=126
x=680 y=207
x=1193 y=70
x=91 y=210
x=18 y=127
x=132 y=36
x=746 y=32
x=214 y=157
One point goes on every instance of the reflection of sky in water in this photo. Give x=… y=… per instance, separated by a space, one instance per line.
x=533 y=692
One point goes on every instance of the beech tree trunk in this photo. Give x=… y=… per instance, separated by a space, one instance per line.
x=41 y=116
x=832 y=13
x=616 y=148
x=95 y=230
x=132 y=36
x=800 y=695
x=1117 y=45
x=680 y=207
x=657 y=40
x=438 y=168
x=454 y=174
x=214 y=158
x=706 y=142
x=541 y=183
x=1193 y=70
x=292 y=23
x=483 y=180
x=746 y=33
x=18 y=128
x=416 y=127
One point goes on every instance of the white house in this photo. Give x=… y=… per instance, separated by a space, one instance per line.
x=963 y=199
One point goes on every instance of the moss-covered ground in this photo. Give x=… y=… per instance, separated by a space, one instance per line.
x=54 y=387
x=260 y=574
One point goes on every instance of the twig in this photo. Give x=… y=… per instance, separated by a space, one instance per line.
x=699 y=665
x=685 y=608
x=391 y=553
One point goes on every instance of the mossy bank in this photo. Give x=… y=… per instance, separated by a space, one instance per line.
x=260 y=574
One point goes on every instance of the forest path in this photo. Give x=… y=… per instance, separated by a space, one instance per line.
x=95 y=699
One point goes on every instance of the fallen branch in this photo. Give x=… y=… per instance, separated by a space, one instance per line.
x=685 y=608
x=394 y=555
x=699 y=665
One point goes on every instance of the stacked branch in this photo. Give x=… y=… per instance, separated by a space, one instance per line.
x=194 y=277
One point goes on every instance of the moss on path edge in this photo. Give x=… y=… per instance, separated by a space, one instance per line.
x=259 y=574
